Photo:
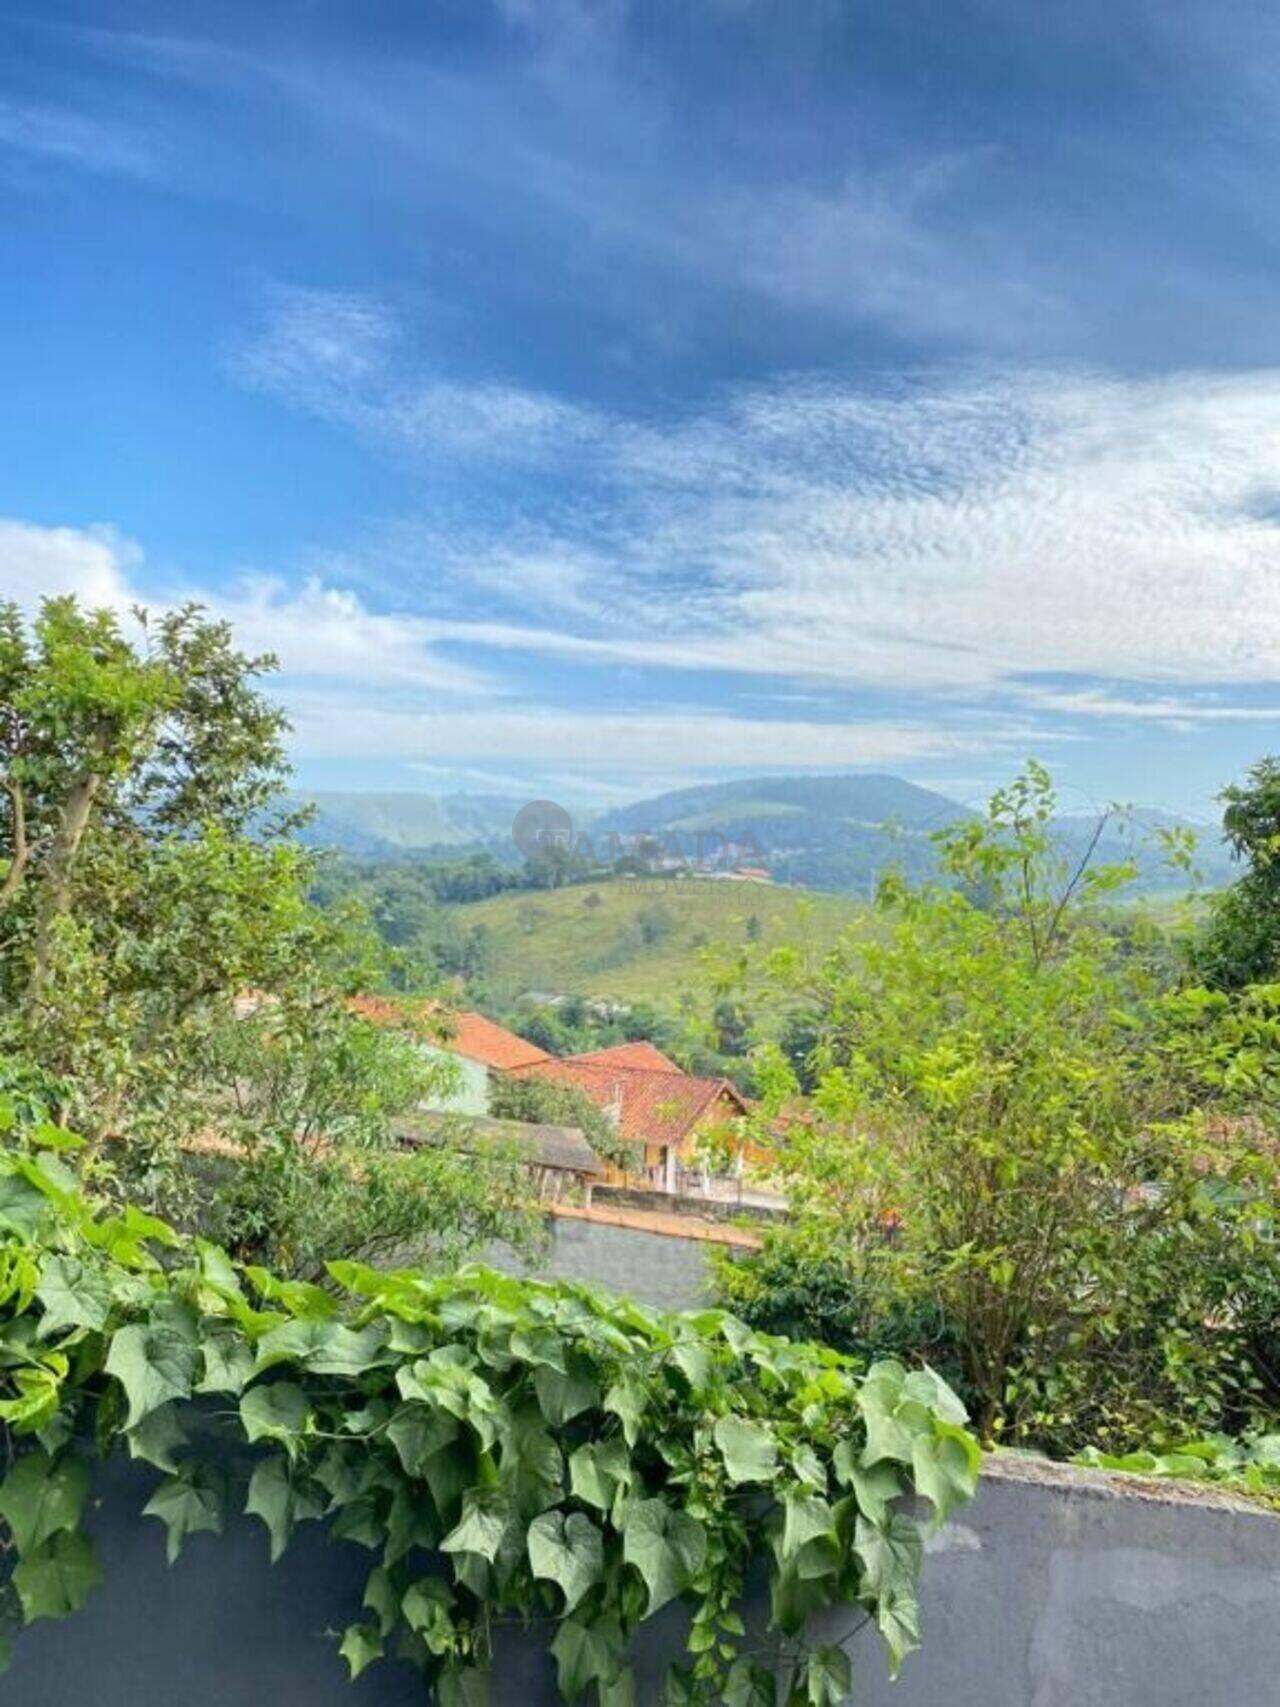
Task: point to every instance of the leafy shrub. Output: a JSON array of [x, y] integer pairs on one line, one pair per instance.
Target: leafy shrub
[[1012, 1130], [506, 1450], [1249, 1467], [812, 1295]]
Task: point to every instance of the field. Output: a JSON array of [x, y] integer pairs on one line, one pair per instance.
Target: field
[[642, 939]]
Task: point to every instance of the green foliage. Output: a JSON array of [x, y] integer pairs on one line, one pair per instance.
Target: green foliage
[[805, 1292], [505, 1450], [162, 959], [1240, 943], [541, 1100], [1015, 1136], [1250, 1467]]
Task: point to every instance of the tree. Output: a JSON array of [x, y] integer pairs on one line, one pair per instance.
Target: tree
[[1240, 943], [148, 882], [114, 754], [300, 1098], [1010, 1128]]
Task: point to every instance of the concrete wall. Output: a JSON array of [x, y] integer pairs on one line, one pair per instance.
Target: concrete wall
[[1055, 1589], [471, 1084], [671, 1273]]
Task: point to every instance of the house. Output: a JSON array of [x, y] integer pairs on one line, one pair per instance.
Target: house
[[654, 1105], [477, 1046], [558, 1157]]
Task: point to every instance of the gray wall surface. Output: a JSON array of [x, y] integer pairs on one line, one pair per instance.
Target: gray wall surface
[[1055, 1589], [673, 1274]]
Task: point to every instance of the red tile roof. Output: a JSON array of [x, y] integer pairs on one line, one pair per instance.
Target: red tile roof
[[642, 1054], [653, 1107], [466, 1033], [479, 1039]]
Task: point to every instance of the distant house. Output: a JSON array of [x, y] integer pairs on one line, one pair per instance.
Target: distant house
[[477, 1047], [649, 1100], [559, 1157]]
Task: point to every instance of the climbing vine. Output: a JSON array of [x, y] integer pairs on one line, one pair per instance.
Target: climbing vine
[[507, 1451]]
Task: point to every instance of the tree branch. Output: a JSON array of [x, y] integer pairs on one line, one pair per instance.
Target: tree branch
[[21, 847]]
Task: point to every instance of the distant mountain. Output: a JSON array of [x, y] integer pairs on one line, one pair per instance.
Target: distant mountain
[[824, 832], [841, 832], [382, 826], [828, 832]]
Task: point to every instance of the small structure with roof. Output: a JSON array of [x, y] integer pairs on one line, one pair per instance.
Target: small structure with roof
[[476, 1046], [559, 1158]]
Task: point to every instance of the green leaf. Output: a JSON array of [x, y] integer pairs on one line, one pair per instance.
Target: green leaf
[[666, 1546], [809, 1542], [890, 1554], [323, 1347], [280, 1500], [875, 1488], [228, 1361], [695, 1363], [463, 1686], [22, 1206], [946, 1465], [898, 1621], [42, 1496], [568, 1551], [361, 1646], [189, 1503], [749, 1450], [587, 1653], [561, 1397], [748, 1685], [157, 1437], [485, 1515], [627, 1399], [278, 1411], [620, 1691], [411, 1522], [928, 1388], [154, 1363], [417, 1432], [828, 1677], [427, 1608], [74, 1295], [57, 1577], [598, 1470]]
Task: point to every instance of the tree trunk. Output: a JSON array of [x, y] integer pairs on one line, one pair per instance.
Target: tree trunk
[[21, 847], [56, 883]]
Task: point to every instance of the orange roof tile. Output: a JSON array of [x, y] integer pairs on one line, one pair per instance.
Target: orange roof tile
[[466, 1033], [652, 1107], [641, 1054], [480, 1039]]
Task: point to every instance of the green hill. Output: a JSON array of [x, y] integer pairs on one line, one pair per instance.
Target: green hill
[[640, 939]]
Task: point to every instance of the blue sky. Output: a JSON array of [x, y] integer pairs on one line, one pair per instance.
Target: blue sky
[[586, 397]]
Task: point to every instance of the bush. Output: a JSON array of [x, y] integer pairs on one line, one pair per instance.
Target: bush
[[504, 1449], [1013, 1131]]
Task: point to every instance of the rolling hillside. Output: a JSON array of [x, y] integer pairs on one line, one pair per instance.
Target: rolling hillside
[[382, 826], [640, 939], [827, 832]]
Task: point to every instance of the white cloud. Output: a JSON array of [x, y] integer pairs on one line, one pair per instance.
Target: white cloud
[[619, 741], [956, 534], [339, 355], [39, 562], [319, 633], [76, 139], [1185, 709]]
